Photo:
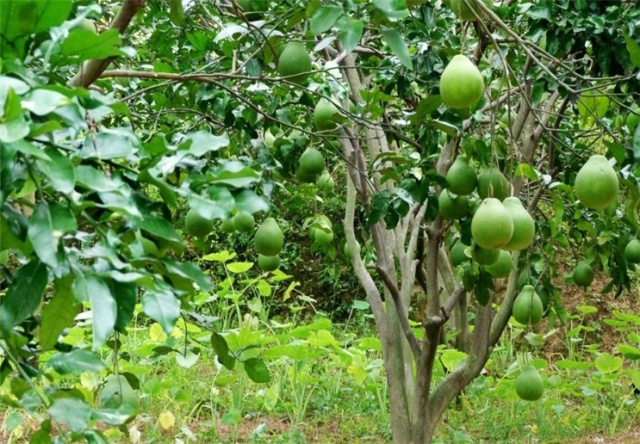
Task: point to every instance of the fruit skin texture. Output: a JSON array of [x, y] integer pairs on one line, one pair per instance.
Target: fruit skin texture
[[295, 62], [452, 207], [457, 253], [583, 274], [492, 183], [326, 182], [632, 251], [269, 238], [268, 263], [491, 226], [322, 237], [597, 183], [196, 225], [484, 256], [462, 177], [243, 222], [502, 267], [324, 115], [528, 308], [311, 163], [465, 13], [461, 84], [529, 384], [228, 226], [524, 227]]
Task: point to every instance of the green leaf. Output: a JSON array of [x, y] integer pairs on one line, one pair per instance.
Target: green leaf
[[235, 174], [59, 170], [43, 101], [85, 45], [605, 363], [212, 209], [222, 256], [221, 349], [257, 370], [162, 307], [23, 17], [62, 218], [203, 142], [103, 306], [93, 179], [58, 313], [629, 352], [239, 267], [190, 271], [324, 18], [636, 143], [399, 47], [392, 9], [14, 130], [351, 33], [159, 227], [42, 237], [249, 202], [76, 361], [126, 296], [108, 144], [634, 50], [115, 417], [29, 149], [71, 412], [24, 295]]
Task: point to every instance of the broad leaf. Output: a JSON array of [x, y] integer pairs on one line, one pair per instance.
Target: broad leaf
[[84, 44], [351, 33], [59, 170], [399, 47], [58, 313], [71, 412], [24, 295], [162, 307], [324, 18], [221, 349], [103, 306], [257, 370], [76, 361]]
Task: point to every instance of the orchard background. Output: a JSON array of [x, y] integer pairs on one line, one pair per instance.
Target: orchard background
[[321, 221]]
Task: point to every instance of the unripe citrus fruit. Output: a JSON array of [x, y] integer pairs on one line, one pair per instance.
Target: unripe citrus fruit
[[633, 119], [324, 115], [268, 263], [452, 207], [461, 177], [529, 384], [269, 238], [583, 274], [528, 308], [311, 162], [117, 392], [484, 256], [294, 62], [632, 251], [243, 222], [502, 267], [491, 226], [326, 182], [322, 237], [461, 84], [196, 225], [458, 255], [464, 12], [228, 226], [597, 183], [87, 24], [524, 228], [347, 251], [492, 183]]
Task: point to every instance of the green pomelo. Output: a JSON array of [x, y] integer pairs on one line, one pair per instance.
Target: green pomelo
[[452, 207], [117, 392], [311, 162], [484, 256], [269, 238], [88, 25], [322, 237], [253, 8], [508, 118], [294, 63], [243, 222], [196, 225], [228, 226], [465, 12], [633, 119], [528, 308], [529, 384], [268, 263], [325, 115], [502, 267], [583, 274], [597, 184], [524, 227], [461, 84], [457, 254], [492, 183], [462, 177], [306, 177], [347, 251], [491, 226], [632, 251], [326, 183]]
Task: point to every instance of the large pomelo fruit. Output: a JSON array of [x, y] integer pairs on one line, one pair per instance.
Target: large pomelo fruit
[[492, 183], [491, 226], [583, 274], [529, 384], [325, 182], [484, 256], [597, 184], [464, 12], [311, 162], [462, 177], [502, 267], [452, 207], [196, 225], [326, 115], [457, 254], [461, 84], [632, 251], [294, 62], [268, 263], [528, 308], [243, 222], [524, 227], [269, 238]]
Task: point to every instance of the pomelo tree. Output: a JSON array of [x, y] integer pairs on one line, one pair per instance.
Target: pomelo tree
[[119, 146]]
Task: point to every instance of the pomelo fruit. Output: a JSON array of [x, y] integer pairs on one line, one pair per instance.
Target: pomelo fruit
[[253, 9], [326, 182], [528, 308], [633, 119], [311, 162], [269, 238], [632, 251], [243, 222], [322, 237], [325, 115], [464, 12], [117, 392], [491, 226], [596, 183], [462, 177], [88, 25], [196, 225], [294, 62], [583, 274], [502, 267], [452, 207], [461, 84], [524, 228], [347, 251], [228, 226], [268, 263], [492, 183], [529, 384], [457, 254], [484, 256]]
